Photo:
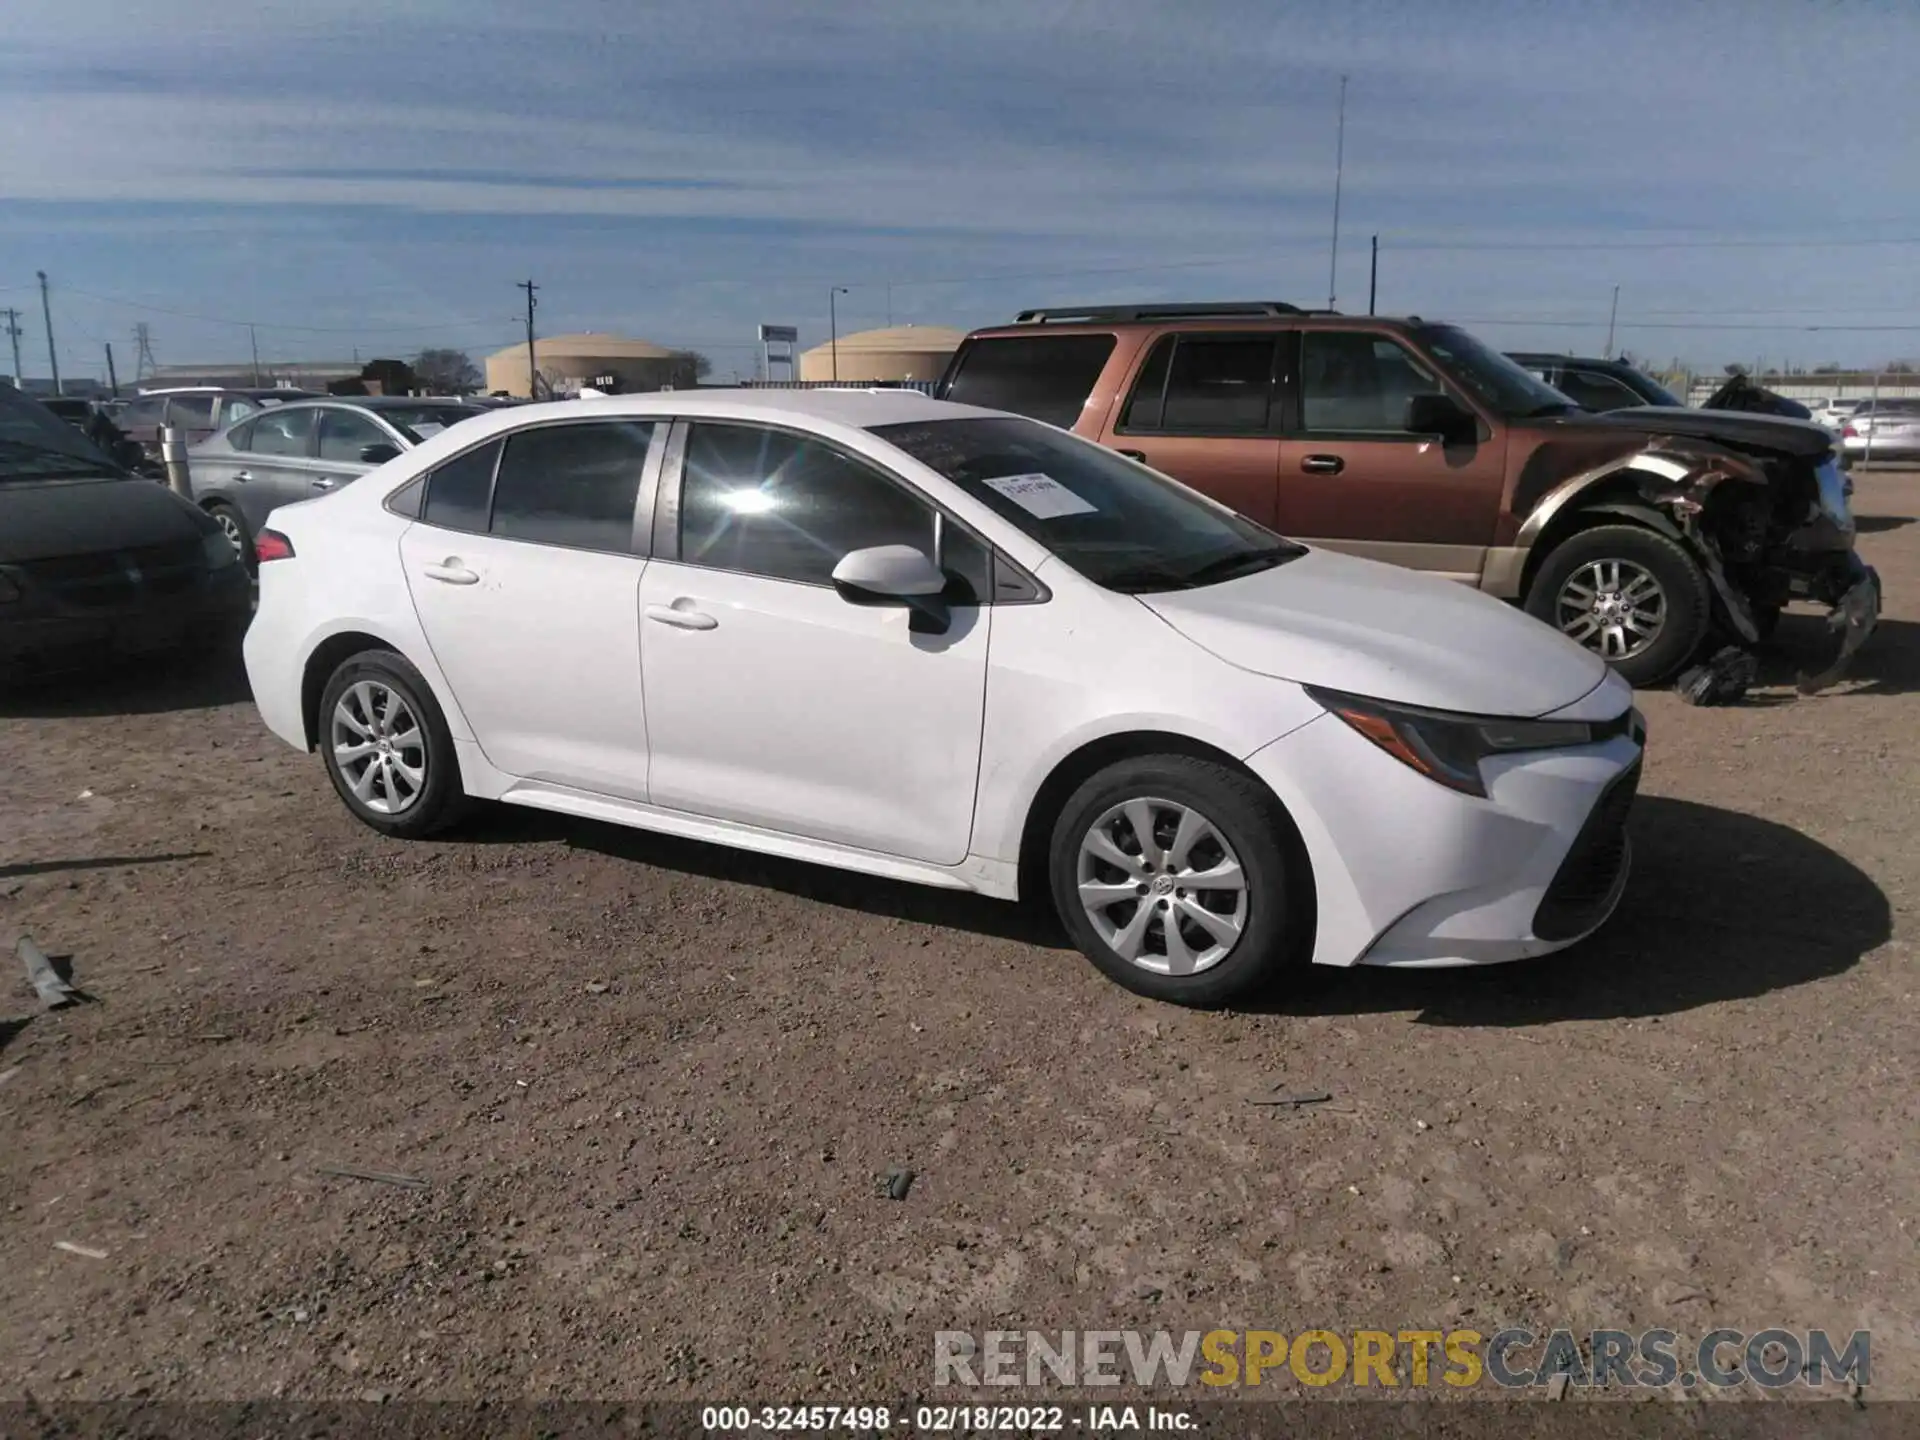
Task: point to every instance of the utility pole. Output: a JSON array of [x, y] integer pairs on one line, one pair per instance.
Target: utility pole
[[833, 327], [889, 304], [13, 334], [113, 378], [1612, 315], [533, 364], [1373, 275], [253, 342], [46, 313], [1339, 168]]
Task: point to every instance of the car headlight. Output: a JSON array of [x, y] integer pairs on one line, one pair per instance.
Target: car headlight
[[219, 550], [1448, 748]]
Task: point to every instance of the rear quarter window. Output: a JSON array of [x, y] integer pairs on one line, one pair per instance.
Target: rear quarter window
[[1044, 377]]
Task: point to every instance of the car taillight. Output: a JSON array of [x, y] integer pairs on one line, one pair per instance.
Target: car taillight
[[1847, 432], [272, 545]]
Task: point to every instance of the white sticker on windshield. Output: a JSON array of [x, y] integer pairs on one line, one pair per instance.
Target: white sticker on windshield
[[426, 428], [1041, 496]]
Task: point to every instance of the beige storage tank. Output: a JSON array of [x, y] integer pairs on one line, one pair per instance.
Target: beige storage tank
[[874, 357], [632, 366]]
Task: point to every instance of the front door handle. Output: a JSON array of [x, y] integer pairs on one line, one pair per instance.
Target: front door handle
[[451, 572], [682, 616], [1323, 464], [243, 474], [1139, 455], [324, 484]]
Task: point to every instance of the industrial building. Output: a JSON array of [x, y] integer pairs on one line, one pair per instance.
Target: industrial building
[[868, 357], [602, 362]]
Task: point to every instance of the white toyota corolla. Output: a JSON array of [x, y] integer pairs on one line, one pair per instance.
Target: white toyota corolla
[[957, 647]]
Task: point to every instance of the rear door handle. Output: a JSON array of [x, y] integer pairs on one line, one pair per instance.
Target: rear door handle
[[682, 616], [243, 474], [323, 483], [1139, 455], [451, 572], [1323, 464]]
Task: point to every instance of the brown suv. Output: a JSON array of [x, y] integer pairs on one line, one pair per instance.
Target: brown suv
[[1637, 533]]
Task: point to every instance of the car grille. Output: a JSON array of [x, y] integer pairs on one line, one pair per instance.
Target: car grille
[[1576, 900], [121, 577]]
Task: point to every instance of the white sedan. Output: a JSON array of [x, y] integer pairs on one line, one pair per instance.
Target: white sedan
[[956, 647]]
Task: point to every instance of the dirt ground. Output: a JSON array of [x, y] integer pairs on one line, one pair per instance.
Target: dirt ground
[[650, 1085]]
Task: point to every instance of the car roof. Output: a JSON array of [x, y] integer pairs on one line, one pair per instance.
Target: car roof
[[857, 407]]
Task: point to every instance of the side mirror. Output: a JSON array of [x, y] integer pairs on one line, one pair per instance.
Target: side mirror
[[885, 574], [378, 453], [1444, 416]]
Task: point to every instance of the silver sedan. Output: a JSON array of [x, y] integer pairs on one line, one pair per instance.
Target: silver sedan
[[295, 452]]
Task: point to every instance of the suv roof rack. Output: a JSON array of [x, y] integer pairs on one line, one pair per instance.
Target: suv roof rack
[[1217, 310]]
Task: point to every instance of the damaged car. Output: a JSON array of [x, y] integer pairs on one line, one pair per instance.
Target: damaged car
[[1650, 535]]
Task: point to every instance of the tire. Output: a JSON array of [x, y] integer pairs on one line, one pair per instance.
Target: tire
[[1632, 555], [231, 521], [392, 803], [1273, 911]]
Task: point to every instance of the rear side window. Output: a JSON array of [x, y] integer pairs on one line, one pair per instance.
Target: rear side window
[[283, 432], [1206, 385], [1044, 377], [460, 492], [1596, 392], [572, 485], [194, 412]]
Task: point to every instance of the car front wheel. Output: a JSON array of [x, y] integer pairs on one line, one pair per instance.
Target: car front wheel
[[387, 748], [1182, 879], [1634, 597]]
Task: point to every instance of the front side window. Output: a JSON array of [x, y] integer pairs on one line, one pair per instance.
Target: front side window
[[1204, 385], [460, 492], [345, 433], [1047, 377], [1359, 383], [572, 485], [1119, 524], [765, 502], [283, 432]]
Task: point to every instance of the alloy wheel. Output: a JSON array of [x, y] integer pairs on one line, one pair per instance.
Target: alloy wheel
[[1162, 886], [229, 525], [1615, 608], [380, 747]]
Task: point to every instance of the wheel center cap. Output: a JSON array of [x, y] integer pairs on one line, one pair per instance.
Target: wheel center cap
[[1163, 884], [386, 747]]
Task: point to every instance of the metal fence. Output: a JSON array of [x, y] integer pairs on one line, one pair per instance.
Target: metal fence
[[924, 387], [1891, 385]]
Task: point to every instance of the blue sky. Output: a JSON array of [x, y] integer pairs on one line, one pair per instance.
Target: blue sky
[[375, 175]]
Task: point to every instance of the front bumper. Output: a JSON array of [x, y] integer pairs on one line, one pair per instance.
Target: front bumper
[[1409, 873], [41, 635]]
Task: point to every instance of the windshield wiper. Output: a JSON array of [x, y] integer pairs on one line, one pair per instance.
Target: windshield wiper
[[1247, 562]]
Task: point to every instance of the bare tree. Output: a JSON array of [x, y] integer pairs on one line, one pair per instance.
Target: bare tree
[[449, 372]]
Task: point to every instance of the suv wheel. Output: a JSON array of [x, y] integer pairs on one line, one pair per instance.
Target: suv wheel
[[387, 748], [1181, 879], [1634, 597]]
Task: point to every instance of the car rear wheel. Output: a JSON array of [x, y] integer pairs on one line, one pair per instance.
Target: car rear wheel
[[1634, 597], [1181, 879], [235, 529], [387, 748]]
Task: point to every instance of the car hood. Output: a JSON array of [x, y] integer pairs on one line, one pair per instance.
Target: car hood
[[48, 519], [1770, 432], [1384, 632]]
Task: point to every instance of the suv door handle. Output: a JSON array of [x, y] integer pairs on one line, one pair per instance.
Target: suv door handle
[[682, 616], [1139, 455], [451, 572], [1323, 464]]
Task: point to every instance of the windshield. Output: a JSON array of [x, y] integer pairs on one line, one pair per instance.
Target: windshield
[[1115, 522], [36, 444], [1492, 378], [417, 422]]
